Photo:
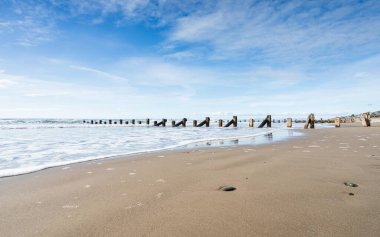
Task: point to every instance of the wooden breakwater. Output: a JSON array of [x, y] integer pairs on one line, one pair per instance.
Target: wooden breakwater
[[309, 122]]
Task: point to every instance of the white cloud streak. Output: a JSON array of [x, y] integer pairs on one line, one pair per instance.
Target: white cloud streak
[[99, 73], [290, 31]]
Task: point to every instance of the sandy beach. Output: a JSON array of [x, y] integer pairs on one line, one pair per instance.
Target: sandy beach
[[291, 188]]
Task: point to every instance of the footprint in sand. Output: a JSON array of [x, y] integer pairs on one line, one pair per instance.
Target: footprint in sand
[[132, 173], [160, 181], [159, 195], [89, 172], [138, 204], [314, 146], [70, 206], [160, 156], [39, 202], [87, 186]]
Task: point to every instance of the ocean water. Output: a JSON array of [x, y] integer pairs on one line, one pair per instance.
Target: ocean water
[[31, 145]]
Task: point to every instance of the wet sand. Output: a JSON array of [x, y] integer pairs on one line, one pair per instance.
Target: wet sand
[[292, 188]]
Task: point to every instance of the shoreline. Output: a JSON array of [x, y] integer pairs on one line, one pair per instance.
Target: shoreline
[[290, 188], [200, 143]]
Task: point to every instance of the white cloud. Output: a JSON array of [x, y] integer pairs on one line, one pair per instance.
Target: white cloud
[[99, 73], [31, 25], [287, 32], [180, 55], [7, 81]]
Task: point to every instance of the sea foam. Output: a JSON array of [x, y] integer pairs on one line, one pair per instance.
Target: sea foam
[[31, 145]]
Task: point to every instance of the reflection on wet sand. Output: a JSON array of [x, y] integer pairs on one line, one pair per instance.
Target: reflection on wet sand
[[269, 136]]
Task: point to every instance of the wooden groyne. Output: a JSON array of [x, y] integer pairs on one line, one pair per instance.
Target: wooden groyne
[[162, 123], [310, 121], [181, 123], [233, 121], [364, 119], [204, 122], [267, 121]]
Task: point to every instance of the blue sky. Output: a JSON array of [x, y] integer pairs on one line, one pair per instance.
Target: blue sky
[[166, 58]]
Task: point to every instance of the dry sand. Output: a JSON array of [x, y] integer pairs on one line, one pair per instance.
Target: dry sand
[[293, 188]]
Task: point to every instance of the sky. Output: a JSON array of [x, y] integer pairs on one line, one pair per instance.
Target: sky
[[194, 58]]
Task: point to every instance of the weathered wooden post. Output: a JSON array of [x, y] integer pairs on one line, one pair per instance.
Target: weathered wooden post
[[100, 121], [147, 121], [96, 122], [207, 121], [155, 123], [84, 121], [337, 122], [366, 119], [126, 122], [183, 123], [133, 121], [233, 121], [289, 122], [92, 121], [109, 121], [163, 123], [251, 122], [269, 118], [267, 121], [115, 122], [139, 122], [220, 123], [194, 123], [310, 121]]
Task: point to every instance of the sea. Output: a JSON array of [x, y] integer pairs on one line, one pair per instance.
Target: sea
[[29, 145]]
